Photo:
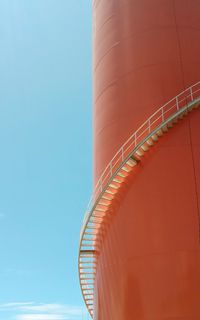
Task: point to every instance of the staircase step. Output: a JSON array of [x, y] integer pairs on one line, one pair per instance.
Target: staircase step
[[111, 191], [92, 227], [91, 309], [107, 196], [91, 233], [87, 286], [165, 128], [96, 220], [104, 202], [88, 239], [89, 297], [100, 207], [159, 132], [150, 142], [99, 213], [170, 124], [93, 244], [89, 301], [126, 168], [118, 179], [132, 162], [140, 152], [85, 291], [145, 147], [122, 174], [114, 185], [86, 276], [154, 137], [86, 268]]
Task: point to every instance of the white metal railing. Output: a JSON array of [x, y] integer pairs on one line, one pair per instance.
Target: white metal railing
[[162, 117], [168, 109]]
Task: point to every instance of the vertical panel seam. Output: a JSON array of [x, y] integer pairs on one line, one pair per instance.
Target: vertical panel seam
[[189, 120]]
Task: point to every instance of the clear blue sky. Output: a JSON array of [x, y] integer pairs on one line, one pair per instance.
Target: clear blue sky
[[45, 155]]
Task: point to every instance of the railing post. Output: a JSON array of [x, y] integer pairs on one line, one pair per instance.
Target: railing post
[[177, 103], [122, 153], [100, 182], [135, 138], [149, 125], [111, 168], [162, 114], [191, 94]]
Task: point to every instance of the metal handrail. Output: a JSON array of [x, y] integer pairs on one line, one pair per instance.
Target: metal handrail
[[161, 115], [170, 111]]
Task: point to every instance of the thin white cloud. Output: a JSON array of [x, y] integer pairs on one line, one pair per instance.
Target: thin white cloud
[[40, 317], [52, 308], [43, 311], [14, 305]]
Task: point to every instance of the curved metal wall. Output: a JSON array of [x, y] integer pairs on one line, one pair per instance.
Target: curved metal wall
[[146, 52]]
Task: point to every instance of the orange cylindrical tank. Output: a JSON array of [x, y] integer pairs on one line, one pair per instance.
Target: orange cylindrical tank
[[145, 53]]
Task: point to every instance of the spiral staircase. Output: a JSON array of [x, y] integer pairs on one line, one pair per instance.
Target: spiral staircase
[[116, 173]]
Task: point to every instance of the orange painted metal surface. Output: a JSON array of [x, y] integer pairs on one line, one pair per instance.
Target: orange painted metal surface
[[145, 53]]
